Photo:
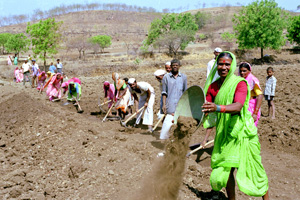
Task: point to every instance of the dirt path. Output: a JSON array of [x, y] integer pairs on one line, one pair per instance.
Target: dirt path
[[49, 151]]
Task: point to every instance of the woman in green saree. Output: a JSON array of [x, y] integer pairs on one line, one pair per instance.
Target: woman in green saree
[[236, 141]]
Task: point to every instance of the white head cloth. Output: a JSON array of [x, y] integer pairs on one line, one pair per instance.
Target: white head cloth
[[168, 63], [159, 72], [219, 50], [131, 80]]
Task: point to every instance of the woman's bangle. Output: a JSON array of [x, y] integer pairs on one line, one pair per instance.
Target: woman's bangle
[[218, 108], [223, 108], [256, 111]]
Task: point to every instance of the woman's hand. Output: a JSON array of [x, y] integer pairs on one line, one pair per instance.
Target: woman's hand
[[209, 107], [146, 104], [254, 116]]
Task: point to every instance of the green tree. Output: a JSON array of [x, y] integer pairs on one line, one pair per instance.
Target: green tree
[[17, 43], [294, 30], [3, 39], [260, 25], [171, 24], [103, 41], [201, 19], [228, 37], [45, 37]]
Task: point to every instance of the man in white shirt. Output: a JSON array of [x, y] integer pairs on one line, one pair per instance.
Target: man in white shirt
[[26, 72], [35, 72], [146, 99], [211, 63], [59, 66]]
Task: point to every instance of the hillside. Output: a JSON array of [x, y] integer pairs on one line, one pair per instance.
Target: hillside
[[118, 24]]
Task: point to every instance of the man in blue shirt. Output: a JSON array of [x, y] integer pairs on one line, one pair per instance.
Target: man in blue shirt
[[52, 68], [173, 86]]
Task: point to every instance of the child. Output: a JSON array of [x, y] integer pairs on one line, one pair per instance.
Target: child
[[270, 91]]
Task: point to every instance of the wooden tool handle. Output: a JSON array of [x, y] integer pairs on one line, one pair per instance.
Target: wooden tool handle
[[78, 104], [197, 149], [132, 116], [162, 117], [105, 103], [108, 112]]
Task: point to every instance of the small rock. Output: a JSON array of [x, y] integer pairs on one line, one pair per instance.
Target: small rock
[[111, 172]]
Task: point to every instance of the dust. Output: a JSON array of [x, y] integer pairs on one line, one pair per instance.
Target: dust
[[166, 178]]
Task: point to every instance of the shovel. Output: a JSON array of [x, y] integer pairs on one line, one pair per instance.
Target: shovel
[[197, 149], [104, 103], [160, 120], [80, 110], [100, 106], [108, 112], [132, 116]]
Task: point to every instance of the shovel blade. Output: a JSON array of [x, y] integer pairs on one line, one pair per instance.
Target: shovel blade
[[123, 123]]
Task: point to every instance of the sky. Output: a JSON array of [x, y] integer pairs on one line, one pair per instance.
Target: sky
[[17, 7]]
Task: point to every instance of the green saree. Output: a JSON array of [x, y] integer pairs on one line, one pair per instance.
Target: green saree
[[236, 142]]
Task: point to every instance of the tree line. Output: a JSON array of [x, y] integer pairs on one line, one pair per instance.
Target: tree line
[[39, 14], [45, 38]]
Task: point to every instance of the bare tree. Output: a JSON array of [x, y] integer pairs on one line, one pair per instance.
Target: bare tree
[[174, 40], [80, 44]]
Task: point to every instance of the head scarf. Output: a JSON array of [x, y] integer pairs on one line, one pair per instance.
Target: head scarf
[[168, 63], [214, 70], [49, 74], [110, 92], [55, 78], [159, 72], [120, 83], [251, 79], [131, 80], [106, 83], [115, 76], [64, 85], [218, 49], [42, 76]]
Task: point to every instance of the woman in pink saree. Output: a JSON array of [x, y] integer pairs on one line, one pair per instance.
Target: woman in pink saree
[[41, 80], [18, 75], [109, 92], [256, 92], [53, 90]]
